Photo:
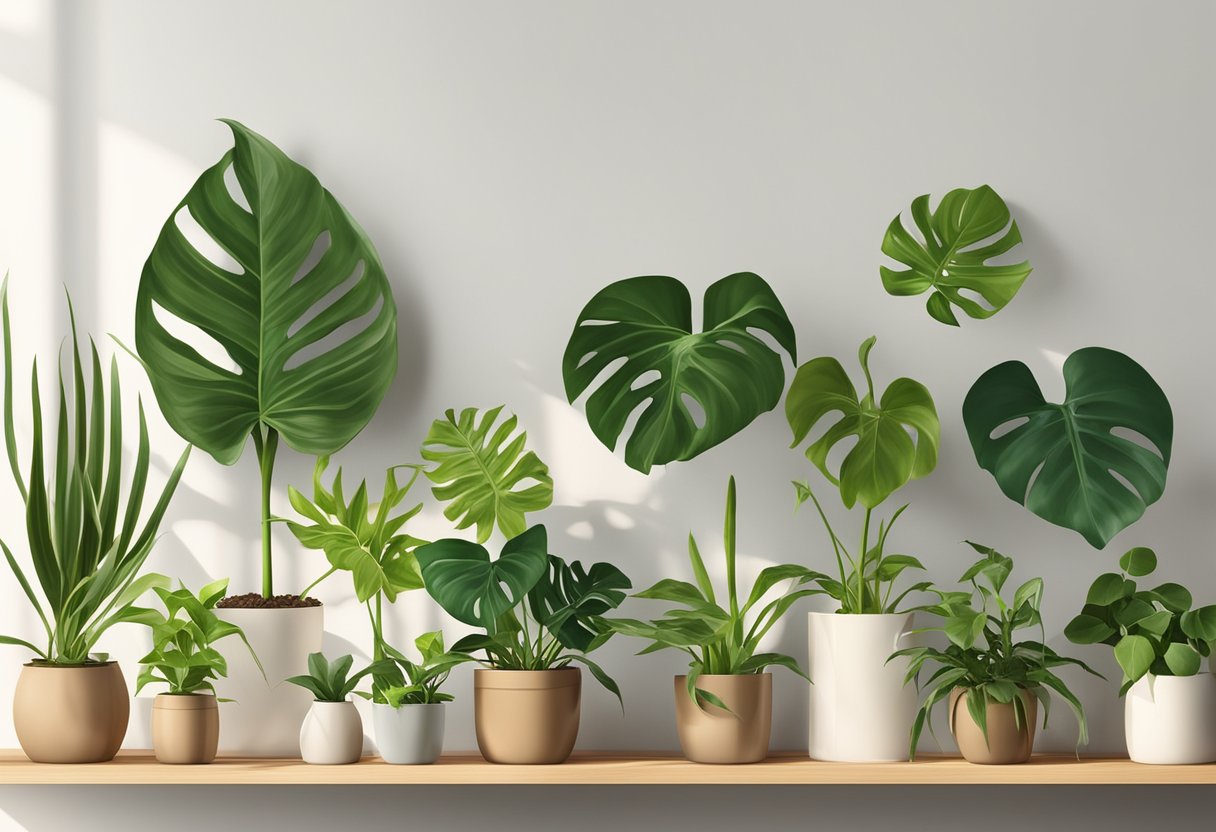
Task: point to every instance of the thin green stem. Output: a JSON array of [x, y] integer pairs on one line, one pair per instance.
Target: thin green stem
[[861, 561], [266, 449]]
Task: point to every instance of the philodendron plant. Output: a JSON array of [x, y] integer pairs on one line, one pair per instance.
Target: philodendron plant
[[1074, 463], [984, 655], [722, 638], [896, 436], [1153, 631], [87, 547], [267, 367]]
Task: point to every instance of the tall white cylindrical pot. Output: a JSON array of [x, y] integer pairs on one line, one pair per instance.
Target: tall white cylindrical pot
[[331, 734], [263, 720], [861, 711], [1171, 720], [410, 735]]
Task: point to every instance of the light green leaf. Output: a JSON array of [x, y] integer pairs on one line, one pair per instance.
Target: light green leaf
[[1181, 659], [1086, 629], [1135, 655], [1107, 589], [1200, 623], [1138, 562]]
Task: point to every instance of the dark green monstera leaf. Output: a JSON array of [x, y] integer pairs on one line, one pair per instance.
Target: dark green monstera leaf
[[950, 257], [1073, 463], [568, 598], [732, 375]]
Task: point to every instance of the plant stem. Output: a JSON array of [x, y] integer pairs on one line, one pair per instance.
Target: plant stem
[[729, 537], [266, 449], [861, 561]]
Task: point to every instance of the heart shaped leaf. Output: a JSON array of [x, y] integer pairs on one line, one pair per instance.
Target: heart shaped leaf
[[732, 375], [950, 257], [1065, 462]]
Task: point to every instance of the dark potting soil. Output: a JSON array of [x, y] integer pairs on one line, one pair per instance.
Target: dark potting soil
[[254, 601]]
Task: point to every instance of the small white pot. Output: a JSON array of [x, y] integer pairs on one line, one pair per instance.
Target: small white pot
[[861, 711], [1171, 720], [263, 720], [332, 734], [410, 735]]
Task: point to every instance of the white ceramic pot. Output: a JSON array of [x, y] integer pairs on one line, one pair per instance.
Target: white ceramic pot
[[860, 709], [263, 720], [331, 734], [1171, 720], [410, 735]]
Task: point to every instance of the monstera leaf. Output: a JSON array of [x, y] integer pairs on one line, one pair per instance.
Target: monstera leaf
[[949, 259], [1089, 479], [460, 576], [732, 375], [483, 477], [568, 598], [885, 456]]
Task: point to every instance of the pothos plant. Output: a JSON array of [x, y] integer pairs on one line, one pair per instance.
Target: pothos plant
[[722, 637], [896, 436], [984, 656], [1154, 631]]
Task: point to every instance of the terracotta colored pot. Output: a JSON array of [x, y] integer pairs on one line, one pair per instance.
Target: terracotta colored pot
[[71, 713], [709, 734], [1007, 741], [527, 717], [185, 728]]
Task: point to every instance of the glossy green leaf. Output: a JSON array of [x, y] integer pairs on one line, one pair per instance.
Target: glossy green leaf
[[1108, 588], [1173, 597], [1138, 561], [1087, 629], [568, 598], [1135, 655], [1182, 660], [1200, 623]]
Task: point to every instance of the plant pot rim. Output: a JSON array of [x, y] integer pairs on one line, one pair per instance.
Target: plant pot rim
[[870, 615], [385, 705], [327, 702], [728, 675], [64, 666], [557, 677], [184, 701], [270, 609]]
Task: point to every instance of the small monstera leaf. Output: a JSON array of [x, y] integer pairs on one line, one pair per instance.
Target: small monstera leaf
[[568, 598], [732, 375], [886, 456], [1089, 479], [949, 259], [306, 270], [483, 477]]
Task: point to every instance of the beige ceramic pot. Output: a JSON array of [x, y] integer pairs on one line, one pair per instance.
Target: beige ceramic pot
[[185, 728], [527, 717], [71, 713], [1008, 741], [709, 734]]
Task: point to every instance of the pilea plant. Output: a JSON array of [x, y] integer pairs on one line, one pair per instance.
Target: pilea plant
[[421, 681], [1153, 631], [331, 681], [884, 458]]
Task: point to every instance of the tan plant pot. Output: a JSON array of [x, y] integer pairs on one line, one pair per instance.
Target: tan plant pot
[[185, 728], [1007, 741], [527, 717], [71, 713], [711, 735]]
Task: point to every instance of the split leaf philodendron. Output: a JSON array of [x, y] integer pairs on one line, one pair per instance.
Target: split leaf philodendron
[[725, 372], [1072, 463], [951, 258], [259, 359]]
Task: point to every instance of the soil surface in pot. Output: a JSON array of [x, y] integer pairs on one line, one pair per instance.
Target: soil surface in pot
[[255, 601]]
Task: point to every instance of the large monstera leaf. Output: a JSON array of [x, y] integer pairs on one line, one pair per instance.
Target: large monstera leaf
[[885, 455], [1089, 479], [731, 374], [273, 317], [949, 258], [568, 598], [483, 473]]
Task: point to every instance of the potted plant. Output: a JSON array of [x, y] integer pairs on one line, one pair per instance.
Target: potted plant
[[860, 709], [185, 719], [1160, 641], [87, 547], [298, 269], [332, 731], [724, 704], [408, 715], [539, 616], [992, 682]]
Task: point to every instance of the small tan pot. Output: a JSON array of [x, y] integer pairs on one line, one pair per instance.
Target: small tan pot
[[185, 728], [1007, 741], [711, 735], [71, 713], [527, 717]]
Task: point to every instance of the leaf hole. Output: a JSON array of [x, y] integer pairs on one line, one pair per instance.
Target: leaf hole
[[1123, 481], [726, 342], [694, 408], [319, 247], [1034, 476], [339, 336], [647, 377], [1136, 438], [203, 243], [975, 297], [193, 336], [235, 191], [329, 299], [766, 338], [1008, 427], [840, 451]]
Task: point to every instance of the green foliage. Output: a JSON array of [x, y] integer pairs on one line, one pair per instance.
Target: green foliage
[[479, 474], [730, 373], [884, 459], [269, 319], [718, 640], [417, 683], [1088, 478], [183, 654], [537, 612], [86, 547], [331, 681], [1151, 630], [950, 258], [984, 656]]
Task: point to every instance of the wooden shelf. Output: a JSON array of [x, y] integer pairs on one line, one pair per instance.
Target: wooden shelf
[[140, 768]]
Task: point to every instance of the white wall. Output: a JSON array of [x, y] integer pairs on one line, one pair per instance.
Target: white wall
[[509, 159]]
